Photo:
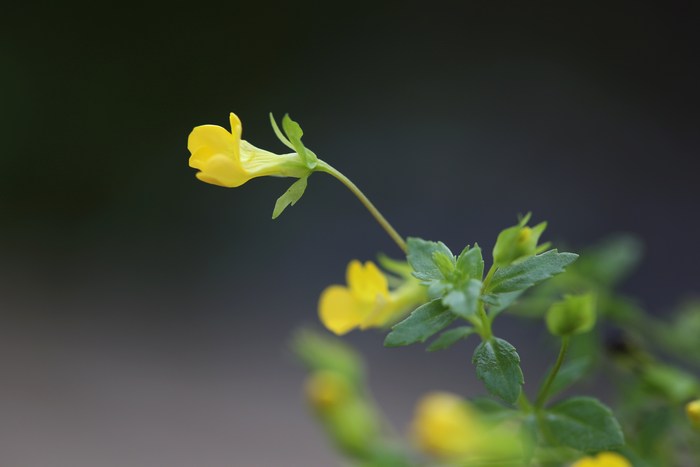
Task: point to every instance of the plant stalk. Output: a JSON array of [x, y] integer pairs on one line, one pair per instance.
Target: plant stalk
[[544, 392], [398, 239]]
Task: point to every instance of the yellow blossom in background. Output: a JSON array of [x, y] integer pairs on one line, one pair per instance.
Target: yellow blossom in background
[[603, 459], [692, 409], [224, 159], [445, 426], [448, 427], [327, 389], [366, 300]]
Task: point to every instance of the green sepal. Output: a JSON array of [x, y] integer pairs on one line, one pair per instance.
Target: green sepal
[[400, 268], [421, 258], [279, 133], [294, 134], [529, 272], [464, 301], [575, 314], [517, 242], [582, 423], [449, 338], [290, 197], [470, 263], [353, 426], [422, 323], [445, 263], [498, 366]]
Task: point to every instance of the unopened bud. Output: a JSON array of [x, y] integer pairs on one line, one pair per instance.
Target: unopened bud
[[574, 315], [326, 390], [692, 409]]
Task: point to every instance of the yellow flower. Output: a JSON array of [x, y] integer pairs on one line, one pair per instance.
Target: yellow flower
[[448, 427], [692, 409], [366, 301], [327, 389], [603, 459], [445, 426], [224, 159]]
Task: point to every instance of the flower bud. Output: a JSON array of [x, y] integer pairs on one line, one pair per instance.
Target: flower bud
[[692, 410], [327, 389], [603, 459], [517, 242], [574, 315], [444, 425], [448, 427]]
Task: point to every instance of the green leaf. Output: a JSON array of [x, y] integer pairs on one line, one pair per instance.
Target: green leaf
[[421, 258], [291, 196], [471, 263], [279, 133], [400, 268], [583, 423], [294, 133], [450, 338], [531, 271], [464, 301], [498, 366], [569, 373], [425, 321]]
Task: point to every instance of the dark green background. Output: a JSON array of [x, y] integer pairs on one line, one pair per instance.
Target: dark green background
[[144, 314]]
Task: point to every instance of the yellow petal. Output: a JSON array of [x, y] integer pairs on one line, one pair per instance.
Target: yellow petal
[[612, 459], [382, 314], [200, 158], [366, 282], [236, 127], [444, 426], [218, 169], [339, 311], [692, 410], [215, 138], [603, 459], [586, 462]]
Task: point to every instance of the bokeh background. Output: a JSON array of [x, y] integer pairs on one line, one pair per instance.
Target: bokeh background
[[145, 316]]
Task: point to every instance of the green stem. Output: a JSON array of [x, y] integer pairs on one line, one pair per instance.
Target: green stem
[[489, 276], [325, 167], [524, 403], [544, 392], [486, 332]]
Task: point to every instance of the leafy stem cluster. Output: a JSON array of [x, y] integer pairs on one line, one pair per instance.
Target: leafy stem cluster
[[459, 291], [464, 299]]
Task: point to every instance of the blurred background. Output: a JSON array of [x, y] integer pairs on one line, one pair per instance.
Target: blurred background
[[145, 316]]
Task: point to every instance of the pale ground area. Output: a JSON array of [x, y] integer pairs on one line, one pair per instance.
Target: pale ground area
[[166, 384], [67, 407]]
